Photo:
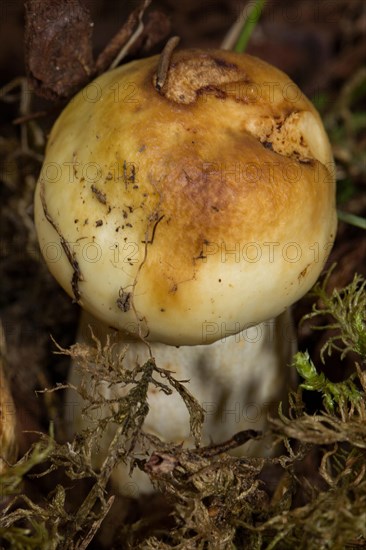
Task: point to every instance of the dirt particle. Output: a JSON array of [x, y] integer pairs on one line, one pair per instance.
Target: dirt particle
[[124, 300], [101, 197], [303, 273], [129, 173], [201, 256]]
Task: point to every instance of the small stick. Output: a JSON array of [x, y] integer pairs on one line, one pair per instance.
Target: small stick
[[164, 61], [30, 116], [236, 441], [136, 14]]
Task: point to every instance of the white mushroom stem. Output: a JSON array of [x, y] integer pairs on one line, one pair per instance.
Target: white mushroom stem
[[238, 380]]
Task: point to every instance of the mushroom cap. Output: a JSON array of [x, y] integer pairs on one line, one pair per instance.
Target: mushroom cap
[[191, 212]]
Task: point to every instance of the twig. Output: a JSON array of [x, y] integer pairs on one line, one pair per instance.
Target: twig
[[134, 36], [164, 61]]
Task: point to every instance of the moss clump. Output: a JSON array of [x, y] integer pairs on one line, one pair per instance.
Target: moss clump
[[216, 500]]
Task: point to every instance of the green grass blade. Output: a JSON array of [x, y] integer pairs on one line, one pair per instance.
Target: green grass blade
[[352, 219], [249, 26]]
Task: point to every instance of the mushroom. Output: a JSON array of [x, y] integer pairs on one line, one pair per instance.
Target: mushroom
[[186, 202]]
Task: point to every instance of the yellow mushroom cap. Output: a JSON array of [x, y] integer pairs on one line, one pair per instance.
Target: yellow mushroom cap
[[184, 212]]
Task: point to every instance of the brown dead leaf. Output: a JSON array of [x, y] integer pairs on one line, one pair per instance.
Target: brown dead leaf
[[58, 46]]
